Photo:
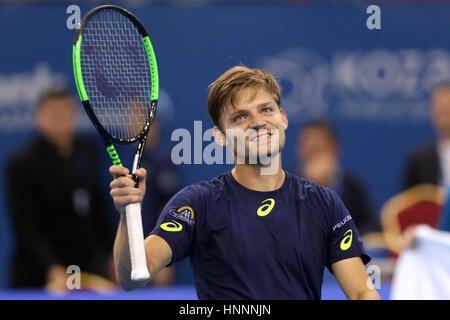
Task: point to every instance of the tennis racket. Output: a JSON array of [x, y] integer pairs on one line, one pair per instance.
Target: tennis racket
[[117, 80]]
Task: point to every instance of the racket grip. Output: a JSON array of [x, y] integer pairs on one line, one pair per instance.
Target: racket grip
[[139, 270]]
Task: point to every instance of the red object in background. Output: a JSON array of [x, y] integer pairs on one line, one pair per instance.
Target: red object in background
[[425, 212]]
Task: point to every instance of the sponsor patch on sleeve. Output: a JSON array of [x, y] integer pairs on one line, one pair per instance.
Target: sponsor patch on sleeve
[[346, 242], [342, 222], [185, 214]]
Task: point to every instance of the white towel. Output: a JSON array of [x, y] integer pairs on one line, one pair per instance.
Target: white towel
[[423, 272]]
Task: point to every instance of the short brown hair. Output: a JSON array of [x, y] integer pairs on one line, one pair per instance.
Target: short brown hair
[[58, 93], [227, 88], [324, 125]]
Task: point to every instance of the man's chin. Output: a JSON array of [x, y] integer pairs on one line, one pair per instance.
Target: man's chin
[[260, 159]]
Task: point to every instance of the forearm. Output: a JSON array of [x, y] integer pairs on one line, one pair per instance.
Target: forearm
[[122, 261], [369, 294], [354, 280]]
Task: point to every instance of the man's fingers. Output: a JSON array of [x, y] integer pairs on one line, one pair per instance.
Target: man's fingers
[[141, 173], [117, 171], [123, 181], [118, 192], [123, 190]]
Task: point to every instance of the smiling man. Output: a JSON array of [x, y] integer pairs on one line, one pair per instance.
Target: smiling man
[[257, 231]]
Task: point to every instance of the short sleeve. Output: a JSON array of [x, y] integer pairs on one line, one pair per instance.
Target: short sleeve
[[344, 241], [178, 222]]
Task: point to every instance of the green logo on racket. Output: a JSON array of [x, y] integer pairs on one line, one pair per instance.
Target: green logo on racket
[[113, 155]]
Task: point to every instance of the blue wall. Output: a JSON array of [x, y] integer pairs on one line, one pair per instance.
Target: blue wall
[[374, 84]]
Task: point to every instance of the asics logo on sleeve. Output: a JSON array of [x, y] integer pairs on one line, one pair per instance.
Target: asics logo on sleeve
[[346, 242], [172, 226], [265, 209]]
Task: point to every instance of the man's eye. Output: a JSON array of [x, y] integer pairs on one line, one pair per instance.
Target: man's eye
[[268, 109], [238, 118]]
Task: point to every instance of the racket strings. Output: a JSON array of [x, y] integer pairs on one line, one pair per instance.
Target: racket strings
[[116, 73]]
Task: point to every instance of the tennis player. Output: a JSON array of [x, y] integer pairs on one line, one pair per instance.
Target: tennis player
[[257, 231]]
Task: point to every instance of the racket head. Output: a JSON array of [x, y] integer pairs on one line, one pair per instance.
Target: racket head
[[116, 73]]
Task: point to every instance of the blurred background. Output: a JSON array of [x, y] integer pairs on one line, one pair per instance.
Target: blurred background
[[373, 85]]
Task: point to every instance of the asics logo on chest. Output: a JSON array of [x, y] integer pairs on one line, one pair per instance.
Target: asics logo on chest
[[266, 208]]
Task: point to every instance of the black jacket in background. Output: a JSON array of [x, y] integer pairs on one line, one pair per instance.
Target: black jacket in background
[[356, 198], [57, 212], [422, 166]]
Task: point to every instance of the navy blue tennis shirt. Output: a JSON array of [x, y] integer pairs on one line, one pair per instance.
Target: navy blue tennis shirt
[[246, 244]]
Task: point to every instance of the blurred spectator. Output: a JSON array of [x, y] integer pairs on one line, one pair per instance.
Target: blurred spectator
[[425, 249], [318, 150], [163, 181], [56, 210], [431, 163]]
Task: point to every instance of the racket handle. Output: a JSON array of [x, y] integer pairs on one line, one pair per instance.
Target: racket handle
[[139, 269]]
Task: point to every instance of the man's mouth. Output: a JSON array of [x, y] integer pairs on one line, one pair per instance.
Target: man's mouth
[[261, 137]]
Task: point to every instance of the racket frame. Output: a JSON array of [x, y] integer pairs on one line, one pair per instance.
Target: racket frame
[[139, 271]]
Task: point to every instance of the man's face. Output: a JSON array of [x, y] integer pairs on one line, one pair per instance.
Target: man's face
[[254, 127], [441, 112], [314, 141], [56, 120]]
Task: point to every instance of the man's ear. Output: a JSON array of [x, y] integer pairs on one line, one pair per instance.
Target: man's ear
[[219, 136], [284, 118]]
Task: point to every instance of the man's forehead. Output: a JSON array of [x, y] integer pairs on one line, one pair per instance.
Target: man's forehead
[[59, 101], [248, 98]]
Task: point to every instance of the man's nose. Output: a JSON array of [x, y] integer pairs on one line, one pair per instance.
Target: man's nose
[[258, 122]]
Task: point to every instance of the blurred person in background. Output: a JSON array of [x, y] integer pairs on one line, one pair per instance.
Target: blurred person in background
[[425, 250], [431, 163], [164, 182], [57, 213], [318, 151]]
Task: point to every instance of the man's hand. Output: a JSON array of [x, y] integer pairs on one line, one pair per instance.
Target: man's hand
[[409, 237], [123, 189], [56, 278]]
